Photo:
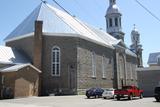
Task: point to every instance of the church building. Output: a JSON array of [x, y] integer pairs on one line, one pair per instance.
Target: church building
[[72, 55]]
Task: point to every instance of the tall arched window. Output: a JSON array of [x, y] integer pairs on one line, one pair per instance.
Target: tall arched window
[[93, 56], [55, 70]]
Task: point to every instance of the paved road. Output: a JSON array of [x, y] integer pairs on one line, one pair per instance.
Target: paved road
[[76, 101]]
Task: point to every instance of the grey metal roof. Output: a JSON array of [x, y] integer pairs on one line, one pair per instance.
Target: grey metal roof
[[58, 21], [51, 23], [129, 52], [10, 55], [16, 67], [151, 68], [153, 58], [113, 9]]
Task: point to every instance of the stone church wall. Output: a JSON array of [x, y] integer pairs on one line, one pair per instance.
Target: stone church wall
[[85, 79], [25, 45], [131, 70], [68, 51]]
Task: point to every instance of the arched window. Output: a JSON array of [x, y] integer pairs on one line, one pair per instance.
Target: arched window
[[55, 70], [103, 67], [110, 22], [93, 55], [116, 22]]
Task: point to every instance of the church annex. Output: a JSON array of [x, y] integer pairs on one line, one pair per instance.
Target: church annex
[[72, 55]]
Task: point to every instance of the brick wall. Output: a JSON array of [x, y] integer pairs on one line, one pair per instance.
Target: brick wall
[[23, 82]]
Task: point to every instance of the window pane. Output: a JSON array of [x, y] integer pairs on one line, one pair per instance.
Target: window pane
[[53, 69], [57, 70], [53, 56], [57, 54]]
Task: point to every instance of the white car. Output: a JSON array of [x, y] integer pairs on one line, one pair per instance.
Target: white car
[[108, 93]]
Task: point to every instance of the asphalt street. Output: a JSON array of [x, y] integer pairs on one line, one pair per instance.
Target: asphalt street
[[76, 101]]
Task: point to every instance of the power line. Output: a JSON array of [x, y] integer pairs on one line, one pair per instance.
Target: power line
[[82, 24], [83, 9], [61, 6], [152, 14]]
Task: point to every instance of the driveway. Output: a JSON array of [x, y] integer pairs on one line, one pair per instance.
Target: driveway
[[76, 101]]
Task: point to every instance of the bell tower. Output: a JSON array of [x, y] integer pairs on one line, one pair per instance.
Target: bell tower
[[113, 20], [136, 47]]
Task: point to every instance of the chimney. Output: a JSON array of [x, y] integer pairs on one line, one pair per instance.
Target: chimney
[[38, 39]]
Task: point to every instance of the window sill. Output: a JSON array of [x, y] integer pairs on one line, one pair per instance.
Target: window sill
[[56, 76], [104, 78], [93, 77]]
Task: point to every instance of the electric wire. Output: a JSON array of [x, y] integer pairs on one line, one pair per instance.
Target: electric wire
[[152, 14], [82, 24]]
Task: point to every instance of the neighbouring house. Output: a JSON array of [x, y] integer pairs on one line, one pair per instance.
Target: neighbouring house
[[149, 77], [17, 77], [72, 55]]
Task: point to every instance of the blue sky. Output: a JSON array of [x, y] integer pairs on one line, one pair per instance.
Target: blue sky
[[93, 12]]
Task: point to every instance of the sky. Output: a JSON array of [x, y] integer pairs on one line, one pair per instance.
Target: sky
[[13, 12]]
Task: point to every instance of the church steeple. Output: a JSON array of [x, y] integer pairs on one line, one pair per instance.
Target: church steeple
[[113, 20], [136, 47]]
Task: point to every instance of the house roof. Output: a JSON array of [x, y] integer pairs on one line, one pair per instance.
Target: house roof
[[151, 68], [153, 58], [58, 21], [17, 67], [10, 55]]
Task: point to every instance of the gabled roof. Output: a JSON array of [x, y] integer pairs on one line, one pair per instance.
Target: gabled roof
[[10, 55], [58, 21], [17, 67], [153, 58]]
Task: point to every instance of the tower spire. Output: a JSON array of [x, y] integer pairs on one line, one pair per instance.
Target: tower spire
[[113, 21], [112, 2], [136, 47]]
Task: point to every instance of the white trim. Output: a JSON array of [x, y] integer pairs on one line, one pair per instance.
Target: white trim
[[131, 70], [20, 37], [103, 67], [55, 62], [19, 66], [79, 36], [62, 34], [3, 78], [93, 56]]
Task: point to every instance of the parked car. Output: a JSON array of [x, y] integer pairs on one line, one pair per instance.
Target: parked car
[[108, 93], [128, 92], [157, 93], [94, 92]]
